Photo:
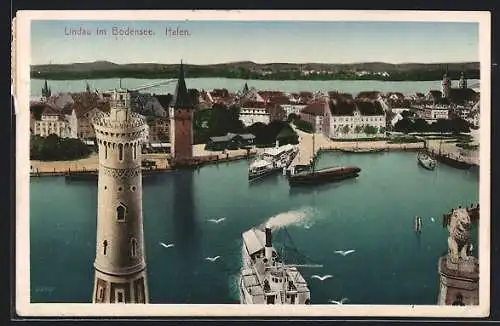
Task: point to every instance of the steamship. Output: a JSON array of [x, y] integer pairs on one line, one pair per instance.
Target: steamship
[[272, 160], [265, 278]]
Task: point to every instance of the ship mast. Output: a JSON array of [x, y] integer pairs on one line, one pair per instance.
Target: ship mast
[[312, 158]]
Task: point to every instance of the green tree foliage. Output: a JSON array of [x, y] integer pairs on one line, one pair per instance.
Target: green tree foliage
[[53, 148], [441, 125], [304, 126], [370, 130], [292, 117]]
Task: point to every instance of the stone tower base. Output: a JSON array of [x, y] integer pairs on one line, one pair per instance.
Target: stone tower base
[[459, 282]]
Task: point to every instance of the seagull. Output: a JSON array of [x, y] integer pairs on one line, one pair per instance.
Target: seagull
[[307, 227], [432, 219], [170, 245], [322, 278], [344, 252], [342, 301], [212, 259], [217, 221]]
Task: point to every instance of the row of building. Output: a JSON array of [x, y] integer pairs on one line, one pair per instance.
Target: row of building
[[337, 115]]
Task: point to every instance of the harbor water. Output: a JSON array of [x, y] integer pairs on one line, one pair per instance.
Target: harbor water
[[372, 215]]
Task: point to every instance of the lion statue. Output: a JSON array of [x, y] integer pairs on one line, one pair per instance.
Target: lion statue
[[459, 240]]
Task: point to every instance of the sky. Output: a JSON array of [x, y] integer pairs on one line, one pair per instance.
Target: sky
[[211, 42]]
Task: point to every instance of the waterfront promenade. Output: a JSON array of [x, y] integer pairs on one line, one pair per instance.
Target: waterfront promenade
[[91, 163]]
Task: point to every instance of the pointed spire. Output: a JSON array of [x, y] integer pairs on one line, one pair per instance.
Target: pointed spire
[[46, 92], [182, 99], [245, 88]]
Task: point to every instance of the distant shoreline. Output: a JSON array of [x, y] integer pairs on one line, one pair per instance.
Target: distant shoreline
[[379, 71]]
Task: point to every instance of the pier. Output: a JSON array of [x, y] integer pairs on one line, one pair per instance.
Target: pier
[[310, 146]]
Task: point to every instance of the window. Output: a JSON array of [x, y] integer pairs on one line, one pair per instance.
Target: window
[[120, 152], [133, 247], [120, 296], [270, 299], [100, 294], [135, 151], [105, 150], [121, 211], [105, 246]]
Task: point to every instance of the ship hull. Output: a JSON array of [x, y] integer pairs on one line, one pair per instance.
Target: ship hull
[[362, 150], [262, 174], [324, 176]]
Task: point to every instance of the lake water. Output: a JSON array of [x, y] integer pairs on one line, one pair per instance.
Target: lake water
[[233, 85], [372, 214]]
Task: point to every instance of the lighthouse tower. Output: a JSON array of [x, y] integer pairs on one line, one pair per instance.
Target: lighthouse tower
[[181, 122], [120, 266]]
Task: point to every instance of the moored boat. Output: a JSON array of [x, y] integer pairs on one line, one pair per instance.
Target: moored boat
[[426, 161], [271, 161], [323, 175], [417, 223], [362, 150]]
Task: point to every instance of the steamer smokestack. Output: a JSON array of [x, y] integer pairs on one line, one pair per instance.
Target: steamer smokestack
[[268, 237], [269, 245]]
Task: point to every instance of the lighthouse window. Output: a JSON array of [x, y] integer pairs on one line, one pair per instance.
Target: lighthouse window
[[105, 246], [133, 247], [101, 294], [120, 213], [120, 296], [120, 152], [105, 151]]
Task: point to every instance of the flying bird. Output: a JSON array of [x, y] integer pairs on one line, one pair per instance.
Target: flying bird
[[170, 245], [217, 221], [344, 252], [307, 227], [212, 259], [432, 219], [322, 278], [342, 301]]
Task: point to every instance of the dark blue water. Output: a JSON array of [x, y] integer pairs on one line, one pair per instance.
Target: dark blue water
[[372, 214]]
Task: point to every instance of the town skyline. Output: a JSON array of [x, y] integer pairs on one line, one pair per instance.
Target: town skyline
[[216, 42]]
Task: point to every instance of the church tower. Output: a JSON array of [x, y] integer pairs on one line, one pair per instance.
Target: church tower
[[46, 92], [120, 266], [181, 122], [462, 83], [445, 86]]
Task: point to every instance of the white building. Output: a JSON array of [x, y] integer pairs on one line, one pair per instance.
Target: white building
[[349, 119], [433, 112], [52, 122], [253, 108], [254, 112], [293, 108]]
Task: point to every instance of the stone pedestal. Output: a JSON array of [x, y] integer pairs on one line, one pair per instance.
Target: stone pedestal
[[459, 281]]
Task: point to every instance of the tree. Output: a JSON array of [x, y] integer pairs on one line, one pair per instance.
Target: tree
[[370, 130], [404, 125], [53, 148], [358, 129], [420, 125], [292, 117], [304, 126]]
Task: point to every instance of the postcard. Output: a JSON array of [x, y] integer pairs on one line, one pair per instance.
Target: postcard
[[252, 164]]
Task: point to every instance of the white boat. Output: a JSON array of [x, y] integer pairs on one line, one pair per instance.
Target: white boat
[[272, 160], [264, 278], [426, 161]]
